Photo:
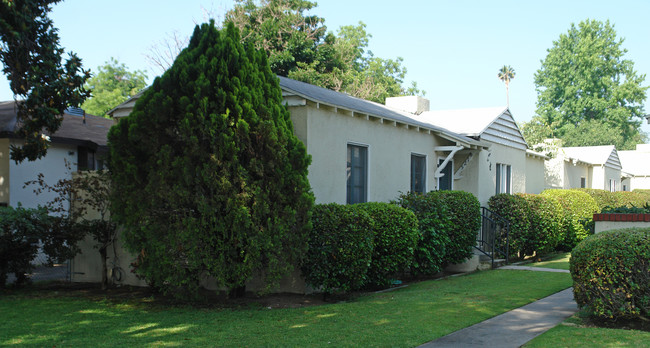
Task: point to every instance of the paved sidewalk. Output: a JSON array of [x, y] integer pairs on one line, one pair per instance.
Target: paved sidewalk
[[514, 328]]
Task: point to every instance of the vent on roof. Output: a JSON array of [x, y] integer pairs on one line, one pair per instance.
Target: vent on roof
[[75, 111], [412, 104]]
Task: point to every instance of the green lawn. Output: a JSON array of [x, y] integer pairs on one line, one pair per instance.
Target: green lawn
[[572, 334], [559, 261], [407, 317]]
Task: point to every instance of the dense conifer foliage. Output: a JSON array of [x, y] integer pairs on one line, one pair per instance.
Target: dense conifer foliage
[[209, 180]]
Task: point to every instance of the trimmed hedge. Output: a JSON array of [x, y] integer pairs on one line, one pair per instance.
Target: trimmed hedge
[[644, 193], [340, 248], [464, 212], [577, 219], [611, 274], [395, 238], [612, 200], [545, 223], [434, 222], [514, 208]]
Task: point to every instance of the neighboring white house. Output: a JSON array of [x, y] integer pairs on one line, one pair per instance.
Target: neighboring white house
[[80, 141], [596, 167], [636, 168]]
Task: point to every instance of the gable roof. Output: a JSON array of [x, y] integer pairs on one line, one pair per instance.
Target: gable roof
[[91, 133], [594, 155], [335, 99], [494, 124]]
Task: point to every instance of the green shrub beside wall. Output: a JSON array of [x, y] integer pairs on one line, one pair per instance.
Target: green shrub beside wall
[[395, 238], [611, 274], [434, 223], [577, 221], [545, 224], [514, 208], [340, 248], [464, 212]]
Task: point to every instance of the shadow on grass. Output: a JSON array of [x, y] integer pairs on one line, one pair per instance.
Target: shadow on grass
[[406, 317]]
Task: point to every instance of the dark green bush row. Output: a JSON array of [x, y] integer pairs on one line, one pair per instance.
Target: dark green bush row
[[612, 200], [23, 230], [448, 223], [611, 274], [395, 237], [535, 224], [352, 246]]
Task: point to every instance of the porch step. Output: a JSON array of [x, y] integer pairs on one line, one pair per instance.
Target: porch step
[[485, 264]]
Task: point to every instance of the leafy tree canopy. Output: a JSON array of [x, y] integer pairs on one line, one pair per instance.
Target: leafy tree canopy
[[585, 85], [299, 46], [209, 179], [112, 85], [32, 59]]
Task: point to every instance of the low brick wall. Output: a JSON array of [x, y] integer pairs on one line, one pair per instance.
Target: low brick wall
[[606, 222]]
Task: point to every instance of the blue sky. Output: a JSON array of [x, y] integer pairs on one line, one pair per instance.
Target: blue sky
[[452, 49]]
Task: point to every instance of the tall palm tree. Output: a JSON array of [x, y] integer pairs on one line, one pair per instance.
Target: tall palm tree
[[506, 74]]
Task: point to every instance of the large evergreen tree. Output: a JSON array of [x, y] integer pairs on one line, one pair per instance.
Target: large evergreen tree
[[209, 178], [585, 85]]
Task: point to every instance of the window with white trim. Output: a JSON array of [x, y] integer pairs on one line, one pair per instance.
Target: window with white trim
[[583, 182], [418, 173], [504, 178], [612, 185], [357, 172], [446, 181]]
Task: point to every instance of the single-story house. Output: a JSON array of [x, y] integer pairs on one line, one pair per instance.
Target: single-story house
[[636, 168], [596, 167], [80, 141], [365, 151]]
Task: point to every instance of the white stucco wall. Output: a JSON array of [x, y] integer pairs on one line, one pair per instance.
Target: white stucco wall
[[639, 182], [327, 134], [4, 170], [52, 166], [598, 178], [535, 175], [573, 174], [488, 160], [601, 226], [612, 173]]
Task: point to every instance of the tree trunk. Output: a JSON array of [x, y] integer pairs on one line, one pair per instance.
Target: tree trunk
[[102, 253]]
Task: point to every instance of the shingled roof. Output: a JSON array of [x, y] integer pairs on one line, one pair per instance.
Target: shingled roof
[[90, 131], [342, 100]]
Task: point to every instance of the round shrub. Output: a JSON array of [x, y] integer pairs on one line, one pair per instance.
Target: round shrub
[[513, 208], [433, 224], [577, 221], [464, 211], [395, 238], [611, 274], [603, 198], [340, 248]]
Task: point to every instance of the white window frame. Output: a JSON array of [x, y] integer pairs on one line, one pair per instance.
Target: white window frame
[[501, 180]]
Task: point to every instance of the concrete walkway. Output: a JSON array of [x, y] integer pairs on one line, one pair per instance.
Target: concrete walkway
[[514, 328]]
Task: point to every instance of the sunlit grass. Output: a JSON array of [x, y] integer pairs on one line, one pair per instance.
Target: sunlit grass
[[407, 317], [559, 261], [572, 333]]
